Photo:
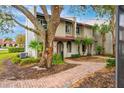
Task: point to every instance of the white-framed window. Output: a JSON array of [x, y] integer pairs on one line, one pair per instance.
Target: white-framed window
[[78, 30], [43, 22], [68, 27]]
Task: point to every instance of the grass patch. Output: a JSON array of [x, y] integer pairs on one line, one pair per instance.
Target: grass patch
[[5, 55], [3, 52]]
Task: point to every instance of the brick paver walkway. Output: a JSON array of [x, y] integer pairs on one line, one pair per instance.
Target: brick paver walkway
[[59, 80]]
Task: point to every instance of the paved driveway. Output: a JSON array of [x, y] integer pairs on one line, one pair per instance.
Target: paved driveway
[[59, 80]]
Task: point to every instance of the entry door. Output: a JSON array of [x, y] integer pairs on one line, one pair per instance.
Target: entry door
[[59, 47]]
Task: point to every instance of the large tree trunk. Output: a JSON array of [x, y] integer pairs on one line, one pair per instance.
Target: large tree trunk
[[103, 43], [52, 24], [112, 22], [50, 56], [113, 43], [47, 54]]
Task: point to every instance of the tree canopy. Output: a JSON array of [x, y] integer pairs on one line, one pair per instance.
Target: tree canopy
[[6, 22]]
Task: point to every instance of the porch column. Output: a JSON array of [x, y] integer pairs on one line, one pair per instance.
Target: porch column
[[65, 49]]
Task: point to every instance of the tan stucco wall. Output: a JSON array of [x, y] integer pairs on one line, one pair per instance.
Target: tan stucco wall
[[61, 29], [87, 32], [66, 54], [81, 32], [108, 42]]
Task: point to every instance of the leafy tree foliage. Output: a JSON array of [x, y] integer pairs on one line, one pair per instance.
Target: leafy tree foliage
[[87, 41], [6, 23], [36, 45], [20, 40]]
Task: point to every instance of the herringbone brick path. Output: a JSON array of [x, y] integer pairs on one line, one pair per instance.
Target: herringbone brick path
[[59, 80]]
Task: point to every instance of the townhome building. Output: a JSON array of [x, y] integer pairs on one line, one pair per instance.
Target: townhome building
[[64, 41]]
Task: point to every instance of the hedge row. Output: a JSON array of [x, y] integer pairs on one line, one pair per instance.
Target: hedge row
[[14, 49], [24, 61]]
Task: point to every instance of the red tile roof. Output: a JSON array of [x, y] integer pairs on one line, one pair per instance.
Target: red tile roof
[[66, 38], [2, 42]]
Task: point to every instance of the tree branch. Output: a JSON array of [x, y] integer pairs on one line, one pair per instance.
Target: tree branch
[[26, 12], [30, 16], [61, 8], [55, 17], [26, 27], [46, 15]]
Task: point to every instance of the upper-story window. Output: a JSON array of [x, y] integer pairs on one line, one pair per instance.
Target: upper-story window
[[68, 27], [78, 30], [43, 22]]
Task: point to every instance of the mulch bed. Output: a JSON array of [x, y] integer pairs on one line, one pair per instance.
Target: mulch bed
[[88, 59], [16, 72], [104, 78]]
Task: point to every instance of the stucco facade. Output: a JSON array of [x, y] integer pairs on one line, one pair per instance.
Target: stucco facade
[[65, 36]]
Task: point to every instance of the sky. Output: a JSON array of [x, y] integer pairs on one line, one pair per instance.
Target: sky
[[66, 12]]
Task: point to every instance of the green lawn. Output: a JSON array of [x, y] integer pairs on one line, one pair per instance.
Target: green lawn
[[3, 52], [5, 55]]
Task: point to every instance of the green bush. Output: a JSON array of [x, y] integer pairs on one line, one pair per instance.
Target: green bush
[[29, 60], [24, 61], [16, 60], [75, 55], [110, 62], [99, 49], [57, 59], [14, 49]]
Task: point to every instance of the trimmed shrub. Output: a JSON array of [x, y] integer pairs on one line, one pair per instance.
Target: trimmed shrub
[[14, 49], [16, 60], [99, 49], [24, 61], [75, 55], [110, 62], [57, 59], [29, 60]]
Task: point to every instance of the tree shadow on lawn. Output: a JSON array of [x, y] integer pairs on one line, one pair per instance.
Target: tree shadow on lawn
[[17, 72]]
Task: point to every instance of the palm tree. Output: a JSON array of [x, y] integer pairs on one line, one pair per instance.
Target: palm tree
[[78, 42], [36, 45], [110, 11], [103, 30], [88, 42]]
